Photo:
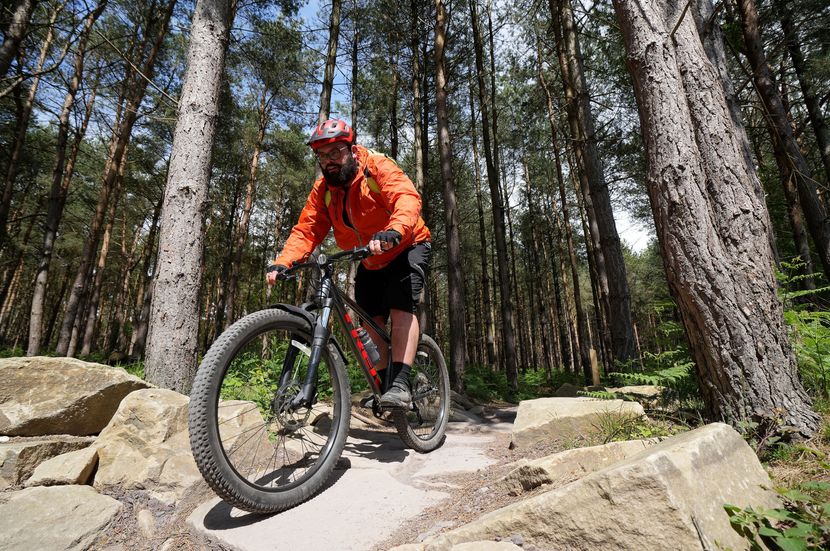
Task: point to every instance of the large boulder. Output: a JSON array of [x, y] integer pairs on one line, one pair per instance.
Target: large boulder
[[40, 395], [146, 444], [563, 418], [20, 457], [564, 467], [56, 518], [66, 469], [669, 496]]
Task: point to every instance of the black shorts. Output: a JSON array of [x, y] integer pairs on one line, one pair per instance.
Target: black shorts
[[397, 286]]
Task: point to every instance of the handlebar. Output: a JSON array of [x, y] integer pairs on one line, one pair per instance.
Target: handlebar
[[358, 253]]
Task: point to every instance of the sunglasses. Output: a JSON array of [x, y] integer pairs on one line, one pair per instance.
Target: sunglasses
[[332, 155]]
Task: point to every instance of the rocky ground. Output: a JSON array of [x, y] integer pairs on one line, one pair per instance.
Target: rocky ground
[[148, 524], [383, 496], [471, 495]]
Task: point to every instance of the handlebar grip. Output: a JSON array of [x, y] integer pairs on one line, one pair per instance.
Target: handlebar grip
[[361, 252]]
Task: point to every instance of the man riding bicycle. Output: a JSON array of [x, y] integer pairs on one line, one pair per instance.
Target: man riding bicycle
[[368, 200]]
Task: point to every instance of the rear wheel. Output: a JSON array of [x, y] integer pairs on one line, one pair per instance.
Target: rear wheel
[[422, 427], [255, 449]]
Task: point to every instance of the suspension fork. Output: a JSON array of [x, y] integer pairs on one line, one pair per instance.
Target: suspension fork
[[319, 342]]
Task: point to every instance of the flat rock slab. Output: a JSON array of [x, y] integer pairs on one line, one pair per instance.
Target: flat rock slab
[[563, 418], [381, 486], [669, 496], [40, 395], [567, 466], [66, 469], [20, 457], [55, 518]]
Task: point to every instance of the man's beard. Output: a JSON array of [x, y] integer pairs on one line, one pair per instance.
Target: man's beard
[[345, 176]]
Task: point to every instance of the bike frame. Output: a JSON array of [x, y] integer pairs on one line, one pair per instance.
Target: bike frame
[[329, 300]]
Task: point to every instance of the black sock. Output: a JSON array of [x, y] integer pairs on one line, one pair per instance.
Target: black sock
[[401, 371]]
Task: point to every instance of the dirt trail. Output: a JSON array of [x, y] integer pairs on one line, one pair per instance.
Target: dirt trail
[[380, 488]]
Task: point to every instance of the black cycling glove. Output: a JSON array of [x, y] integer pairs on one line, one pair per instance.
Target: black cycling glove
[[392, 237], [279, 268]]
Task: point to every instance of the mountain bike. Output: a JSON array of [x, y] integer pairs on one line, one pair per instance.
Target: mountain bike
[[270, 405]]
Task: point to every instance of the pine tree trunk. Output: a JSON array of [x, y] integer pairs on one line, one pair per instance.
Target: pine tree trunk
[[486, 295], [13, 35], [711, 225], [783, 141], [581, 318], [417, 75], [331, 60], [610, 267], [811, 101], [95, 293], [509, 363], [538, 330], [705, 17], [61, 177], [250, 190], [143, 296], [22, 128], [455, 278], [355, 72], [172, 340], [393, 110]]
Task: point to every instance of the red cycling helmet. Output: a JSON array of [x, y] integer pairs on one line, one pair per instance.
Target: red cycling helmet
[[330, 131]]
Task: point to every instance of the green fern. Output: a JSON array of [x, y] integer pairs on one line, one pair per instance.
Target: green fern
[[810, 335], [604, 395]]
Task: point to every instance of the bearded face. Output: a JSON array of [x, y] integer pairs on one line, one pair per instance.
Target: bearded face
[[338, 165]]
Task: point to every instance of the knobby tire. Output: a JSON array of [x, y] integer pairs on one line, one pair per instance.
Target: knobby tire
[[423, 427], [233, 370]]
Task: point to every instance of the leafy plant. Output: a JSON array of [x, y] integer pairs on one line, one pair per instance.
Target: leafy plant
[[604, 395], [802, 524], [810, 335], [764, 437], [809, 327], [679, 381]]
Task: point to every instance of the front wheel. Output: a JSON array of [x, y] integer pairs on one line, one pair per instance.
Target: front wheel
[[255, 446], [422, 427]]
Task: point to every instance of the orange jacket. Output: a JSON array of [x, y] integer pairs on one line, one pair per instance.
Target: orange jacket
[[390, 204]]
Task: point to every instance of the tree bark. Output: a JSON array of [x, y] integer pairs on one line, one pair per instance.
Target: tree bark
[[705, 17], [610, 266], [174, 314], [509, 363], [61, 177], [711, 225], [455, 278], [783, 141], [14, 33]]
